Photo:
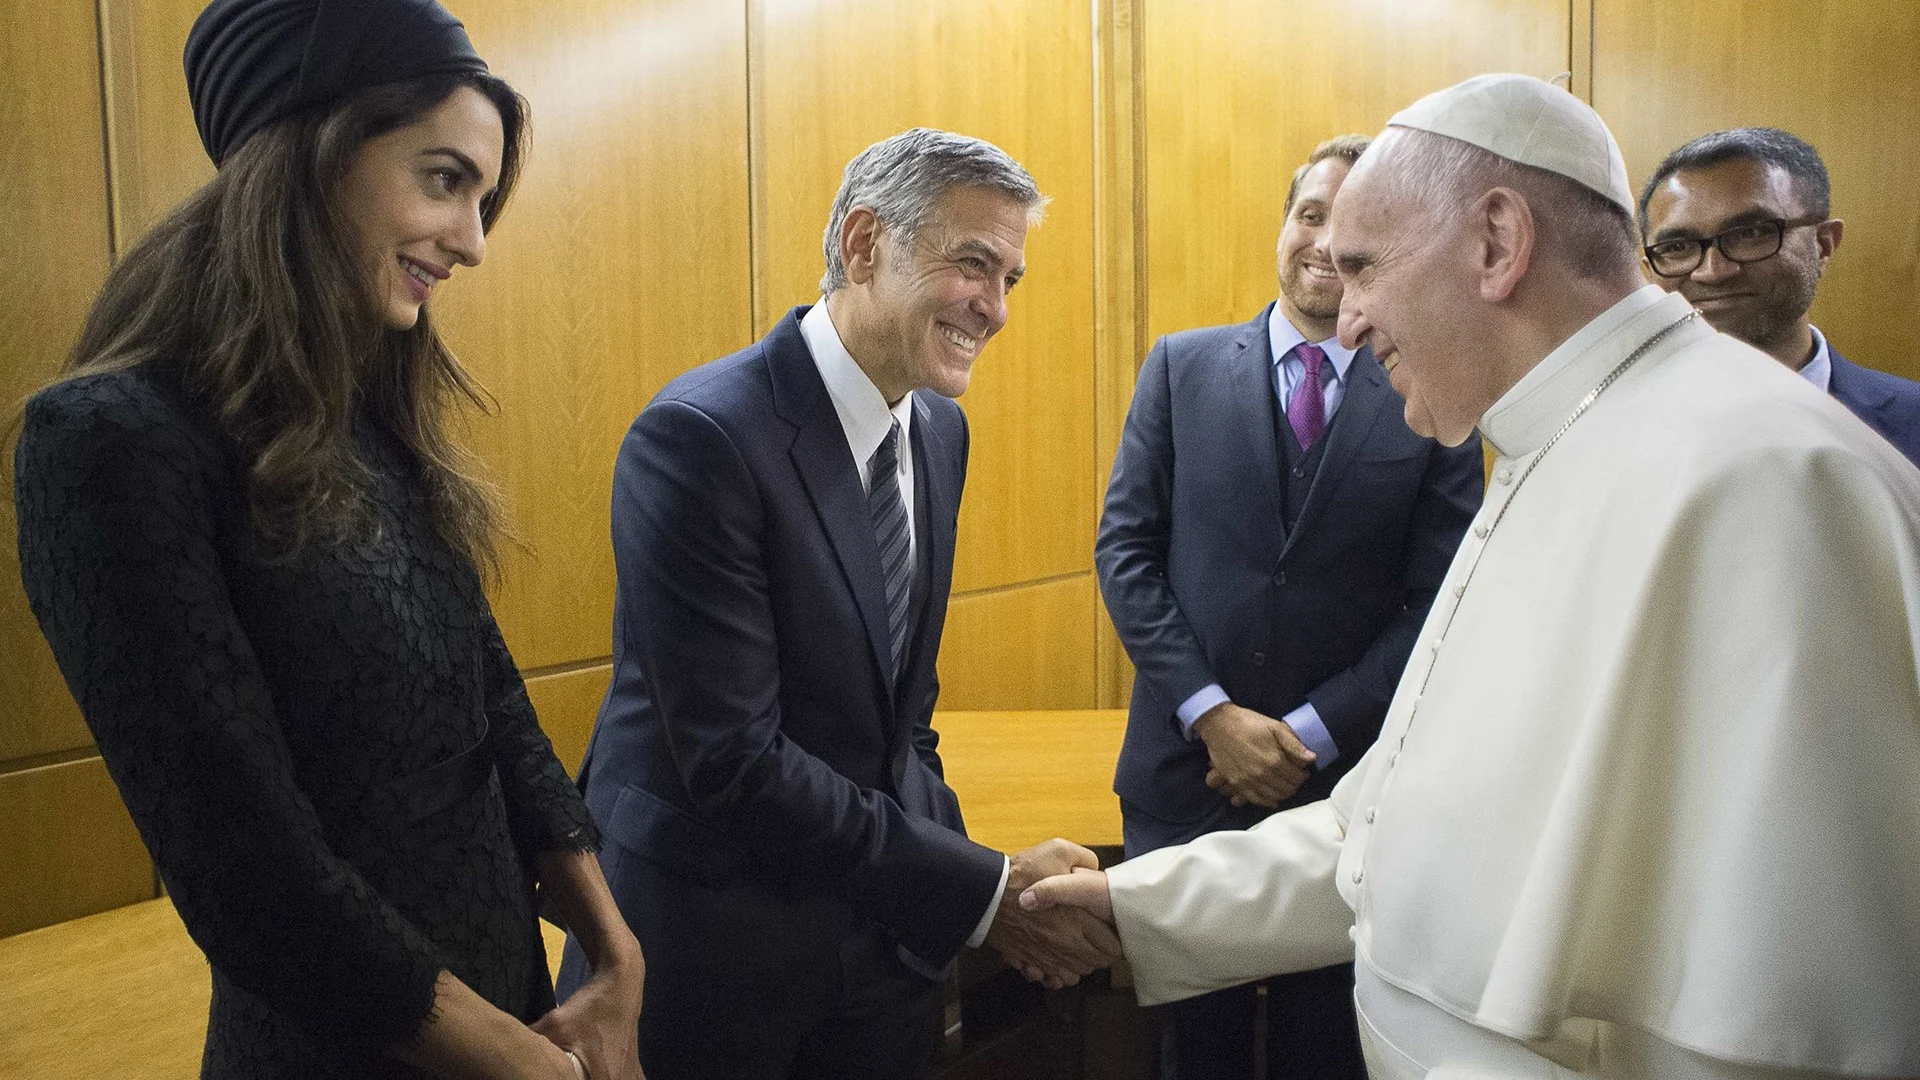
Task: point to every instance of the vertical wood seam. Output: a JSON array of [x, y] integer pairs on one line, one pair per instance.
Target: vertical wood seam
[[758, 249], [105, 57]]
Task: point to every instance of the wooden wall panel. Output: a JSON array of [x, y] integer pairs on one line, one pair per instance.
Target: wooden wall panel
[[68, 846], [1028, 647], [1838, 73], [53, 256], [832, 77], [567, 703], [157, 157], [622, 262], [1236, 94]]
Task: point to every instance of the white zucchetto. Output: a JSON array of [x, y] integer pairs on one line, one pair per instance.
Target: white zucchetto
[[1535, 123]]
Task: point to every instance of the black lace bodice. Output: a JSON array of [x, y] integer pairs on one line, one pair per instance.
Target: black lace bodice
[[281, 730]]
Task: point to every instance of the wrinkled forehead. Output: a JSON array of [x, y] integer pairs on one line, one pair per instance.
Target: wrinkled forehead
[[1374, 203]]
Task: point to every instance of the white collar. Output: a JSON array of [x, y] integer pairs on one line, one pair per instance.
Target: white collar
[[1526, 416], [1819, 370], [864, 414], [1284, 336]]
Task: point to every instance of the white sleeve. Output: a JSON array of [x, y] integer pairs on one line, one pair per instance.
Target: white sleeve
[[1232, 907]]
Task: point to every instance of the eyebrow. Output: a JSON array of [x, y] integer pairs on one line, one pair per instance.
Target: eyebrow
[[1745, 217], [985, 251]]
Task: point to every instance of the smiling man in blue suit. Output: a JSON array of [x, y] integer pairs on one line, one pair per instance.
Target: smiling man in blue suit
[[1273, 536], [1739, 222], [764, 767]]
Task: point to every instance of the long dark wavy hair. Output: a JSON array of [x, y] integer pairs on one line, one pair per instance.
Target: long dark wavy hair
[[254, 294]]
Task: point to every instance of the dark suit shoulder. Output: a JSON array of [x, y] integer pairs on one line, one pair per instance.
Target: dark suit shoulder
[[1205, 341], [1852, 378], [721, 383]]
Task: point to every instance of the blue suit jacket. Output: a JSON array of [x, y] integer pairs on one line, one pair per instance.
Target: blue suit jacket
[[750, 759], [1889, 404], [1205, 584]]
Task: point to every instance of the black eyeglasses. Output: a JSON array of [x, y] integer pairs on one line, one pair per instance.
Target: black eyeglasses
[[1750, 243]]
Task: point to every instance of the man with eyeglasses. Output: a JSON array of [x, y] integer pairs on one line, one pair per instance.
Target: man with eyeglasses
[[1737, 222]]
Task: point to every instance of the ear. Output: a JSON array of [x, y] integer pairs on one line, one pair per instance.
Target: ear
[[860, 244], [1828, 234], [1506, 239]]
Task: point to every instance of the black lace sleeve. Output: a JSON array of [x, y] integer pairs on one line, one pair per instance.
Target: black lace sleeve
[[544, 808], [118, 552]]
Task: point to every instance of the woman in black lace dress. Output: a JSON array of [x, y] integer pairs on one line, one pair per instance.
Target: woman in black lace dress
[[253, 550]]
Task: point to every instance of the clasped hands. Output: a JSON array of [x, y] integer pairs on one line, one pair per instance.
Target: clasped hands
[[1052, 943], [1254, 758]]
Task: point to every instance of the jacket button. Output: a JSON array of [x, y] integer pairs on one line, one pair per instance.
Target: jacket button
[[1280, 578], [1259, 659]]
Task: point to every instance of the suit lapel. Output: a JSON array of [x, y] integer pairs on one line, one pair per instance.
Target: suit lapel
[[1249, 387], [1366, 395], [933, 540], [827, 472]]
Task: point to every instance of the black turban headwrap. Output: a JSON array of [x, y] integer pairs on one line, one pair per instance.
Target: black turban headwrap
[[251, 62]]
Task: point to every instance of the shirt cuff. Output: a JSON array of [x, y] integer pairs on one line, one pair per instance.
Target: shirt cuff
[[1312, 732], [1196, 706], [979, 934]]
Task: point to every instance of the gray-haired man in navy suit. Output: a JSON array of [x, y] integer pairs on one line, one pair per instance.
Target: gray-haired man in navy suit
[[1273, 536], [1738, 222], [778, 830]]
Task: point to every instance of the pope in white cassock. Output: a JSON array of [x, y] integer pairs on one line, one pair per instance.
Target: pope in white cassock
[[1647, 801]]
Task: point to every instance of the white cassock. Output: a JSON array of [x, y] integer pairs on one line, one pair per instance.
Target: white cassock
[[1647, 801]]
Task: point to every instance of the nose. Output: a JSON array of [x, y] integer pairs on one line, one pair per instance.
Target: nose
[[991, 303], [1714, 267], [466, 239], [1353, 325]]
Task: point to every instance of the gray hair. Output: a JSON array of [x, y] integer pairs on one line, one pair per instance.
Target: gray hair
[[1584, 229], [901, 178]]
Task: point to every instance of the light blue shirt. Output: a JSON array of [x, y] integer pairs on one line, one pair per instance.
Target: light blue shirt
[[1819, 370], [1288, 372]]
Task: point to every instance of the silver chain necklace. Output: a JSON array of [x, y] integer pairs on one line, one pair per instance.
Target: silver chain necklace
[[1459, 591]]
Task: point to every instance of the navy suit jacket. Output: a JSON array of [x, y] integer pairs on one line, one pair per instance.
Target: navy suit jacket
[[1889, 404], [1206, 585], [751, 757]]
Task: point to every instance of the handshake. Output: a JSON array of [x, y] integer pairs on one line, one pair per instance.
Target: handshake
[[1055, 924]]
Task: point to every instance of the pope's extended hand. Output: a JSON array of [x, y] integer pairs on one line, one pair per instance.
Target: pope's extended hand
[[1083, 889]]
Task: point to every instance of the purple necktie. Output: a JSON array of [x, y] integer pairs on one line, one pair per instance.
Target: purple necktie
[[1307, 412]]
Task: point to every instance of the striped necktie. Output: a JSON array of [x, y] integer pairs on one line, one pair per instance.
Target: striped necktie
[[889, 513]]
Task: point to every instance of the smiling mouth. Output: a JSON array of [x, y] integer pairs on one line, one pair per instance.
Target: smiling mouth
[[1318, 272], [421, 273], [966, 343]]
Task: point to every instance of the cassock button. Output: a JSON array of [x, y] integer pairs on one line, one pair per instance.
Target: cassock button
[[1504, 476], [1370, 813], [1459, 591], [1480, 531], [1394, 760], [1353, 933], [1357, 875]]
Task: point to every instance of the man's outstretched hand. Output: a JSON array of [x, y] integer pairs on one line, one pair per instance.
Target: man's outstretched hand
[[1055, 945]]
